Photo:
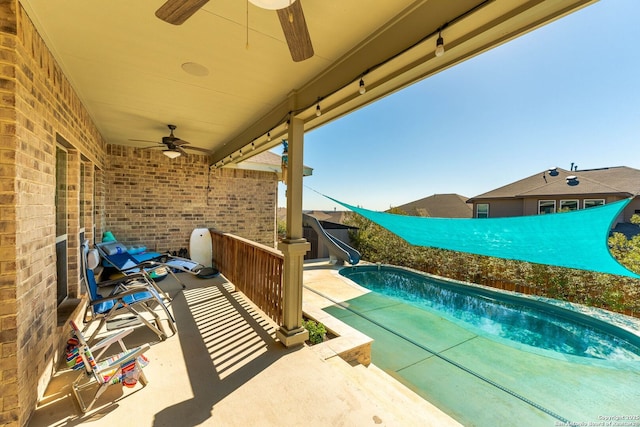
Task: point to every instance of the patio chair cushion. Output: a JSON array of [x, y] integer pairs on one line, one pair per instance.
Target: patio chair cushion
[[125, 260], [114, 248]]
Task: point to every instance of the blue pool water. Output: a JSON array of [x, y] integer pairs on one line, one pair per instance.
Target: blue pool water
[[512, 318]]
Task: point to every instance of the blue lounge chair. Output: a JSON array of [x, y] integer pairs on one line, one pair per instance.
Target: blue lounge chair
[[133, 295], [154, 264]]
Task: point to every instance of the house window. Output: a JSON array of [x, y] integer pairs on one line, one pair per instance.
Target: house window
[[61, 223], [482, 210], [591, 203], [82, 195], [546, 206], [568, 205]]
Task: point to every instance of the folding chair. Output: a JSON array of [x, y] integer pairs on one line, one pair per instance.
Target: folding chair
[[124, 368], [133, 294]]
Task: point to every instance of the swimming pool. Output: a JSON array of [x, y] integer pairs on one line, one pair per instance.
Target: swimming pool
[[513, 319], [480, 378]]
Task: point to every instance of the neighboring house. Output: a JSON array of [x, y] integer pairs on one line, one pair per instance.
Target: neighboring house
[[267, 161], [559, 190], [439, 206]]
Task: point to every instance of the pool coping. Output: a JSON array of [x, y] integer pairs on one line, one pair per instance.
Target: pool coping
[[349, 344]]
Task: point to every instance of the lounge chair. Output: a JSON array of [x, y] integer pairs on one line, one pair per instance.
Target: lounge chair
[[116, 256], [155, 264], [133, 295], [124, 368]]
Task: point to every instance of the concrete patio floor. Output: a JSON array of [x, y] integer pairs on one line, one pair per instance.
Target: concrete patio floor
[[225, 368]]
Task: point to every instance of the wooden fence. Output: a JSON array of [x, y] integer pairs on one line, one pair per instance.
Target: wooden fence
[[255, 270]]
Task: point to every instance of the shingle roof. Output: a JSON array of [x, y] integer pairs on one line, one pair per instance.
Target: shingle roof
[[266, 157], [439, 206], [612, 180], [268, 161]]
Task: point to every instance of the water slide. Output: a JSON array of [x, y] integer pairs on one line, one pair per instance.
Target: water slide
[[337, 248]]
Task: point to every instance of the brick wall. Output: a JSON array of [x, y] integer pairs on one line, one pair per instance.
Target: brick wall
[[9, 402], [155, 201], [244, 203], [39, 108]]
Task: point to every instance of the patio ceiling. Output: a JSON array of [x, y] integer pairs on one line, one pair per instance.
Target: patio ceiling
[[127, 65]]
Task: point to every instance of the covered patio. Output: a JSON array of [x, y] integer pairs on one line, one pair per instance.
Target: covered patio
[[224, 367], [89, 90]]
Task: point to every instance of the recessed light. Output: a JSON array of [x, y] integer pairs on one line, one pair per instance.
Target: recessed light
[[195, 69]]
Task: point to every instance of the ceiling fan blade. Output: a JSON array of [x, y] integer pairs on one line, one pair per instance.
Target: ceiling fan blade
[[296, 32], [181, 150], [177, 11], [179, 141], [203, 150], [149, 148]]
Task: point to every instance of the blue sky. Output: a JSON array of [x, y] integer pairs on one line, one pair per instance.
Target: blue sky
[[567, 92]]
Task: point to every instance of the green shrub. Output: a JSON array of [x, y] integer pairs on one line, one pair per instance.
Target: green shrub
[[281, 228], [317, 331]]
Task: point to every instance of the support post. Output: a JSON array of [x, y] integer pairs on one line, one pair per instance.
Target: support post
[[294, 246]]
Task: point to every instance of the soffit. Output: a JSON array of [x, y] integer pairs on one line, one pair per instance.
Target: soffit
[[125, 64]]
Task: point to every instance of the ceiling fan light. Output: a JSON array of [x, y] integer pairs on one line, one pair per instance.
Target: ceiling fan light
[[171, 154], [273, 4]]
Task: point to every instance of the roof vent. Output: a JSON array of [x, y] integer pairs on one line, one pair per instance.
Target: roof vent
[[553, 171], [572, 180]]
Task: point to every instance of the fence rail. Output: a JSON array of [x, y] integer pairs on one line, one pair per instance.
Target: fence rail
[[255, 270]]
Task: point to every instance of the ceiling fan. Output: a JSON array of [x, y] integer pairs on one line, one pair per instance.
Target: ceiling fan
[[290, 14], [173, 146]]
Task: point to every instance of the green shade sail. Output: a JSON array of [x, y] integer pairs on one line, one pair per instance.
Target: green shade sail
[[576, 239]]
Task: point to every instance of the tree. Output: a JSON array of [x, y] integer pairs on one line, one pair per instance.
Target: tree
[[375, 243], [627, 251]]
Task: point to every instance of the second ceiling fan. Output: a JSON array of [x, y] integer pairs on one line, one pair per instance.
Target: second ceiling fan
[[289, 12], [172, 145]]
